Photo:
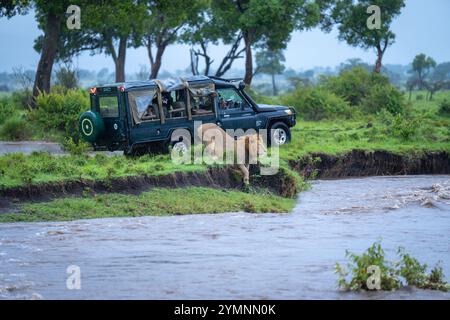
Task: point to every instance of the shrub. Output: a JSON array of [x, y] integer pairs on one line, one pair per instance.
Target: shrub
[[419, 97], [404, 128], [15, 128], [315, 103], [407, 271], [61, 111], [359, 266], [7, 110], [354, 85], [383, 97], [444, 107]]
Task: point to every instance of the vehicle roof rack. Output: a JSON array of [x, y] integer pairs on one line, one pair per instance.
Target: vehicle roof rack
[[227, 80]]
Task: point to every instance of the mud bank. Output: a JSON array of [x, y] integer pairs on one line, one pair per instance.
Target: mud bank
[[359, 163], [218, 177]]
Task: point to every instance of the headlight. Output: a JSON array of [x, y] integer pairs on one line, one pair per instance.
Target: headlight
[[289, 112]]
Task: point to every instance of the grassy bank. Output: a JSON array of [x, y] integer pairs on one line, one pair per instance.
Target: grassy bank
[[157, 202], [19, 170]]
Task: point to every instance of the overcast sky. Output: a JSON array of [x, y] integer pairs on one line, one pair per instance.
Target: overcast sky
[[422, 27]]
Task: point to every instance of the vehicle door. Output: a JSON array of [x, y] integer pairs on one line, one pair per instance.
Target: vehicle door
[[234, 110]]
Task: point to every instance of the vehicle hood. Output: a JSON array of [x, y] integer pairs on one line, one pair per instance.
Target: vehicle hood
[[270, 107]]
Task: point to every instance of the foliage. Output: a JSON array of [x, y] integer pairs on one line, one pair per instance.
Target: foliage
[[422, 65], [444, 107], [7, 110], [404, 128], [354, 85], [383, 97], [393, 275], [15, 128], [358, 266], [313, 103], [352, 18], [61, 111], [66, 77]]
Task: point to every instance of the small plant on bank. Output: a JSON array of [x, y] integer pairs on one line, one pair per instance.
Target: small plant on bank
[[404, 128], [372, 271]]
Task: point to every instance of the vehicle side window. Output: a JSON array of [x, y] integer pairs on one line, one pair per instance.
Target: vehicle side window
[[230, 99], [144, 105], [174, 104], [202, 105], [109, 106]]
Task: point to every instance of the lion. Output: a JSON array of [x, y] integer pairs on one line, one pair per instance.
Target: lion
[[246, 148]]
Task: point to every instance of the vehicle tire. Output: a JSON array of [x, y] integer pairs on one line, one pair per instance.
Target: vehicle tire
[[279, 134], [91, 126]]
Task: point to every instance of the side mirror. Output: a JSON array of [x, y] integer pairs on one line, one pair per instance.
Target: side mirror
[[241, 85]]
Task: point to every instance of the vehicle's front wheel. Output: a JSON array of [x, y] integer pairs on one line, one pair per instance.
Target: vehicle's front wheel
[[279, 134]]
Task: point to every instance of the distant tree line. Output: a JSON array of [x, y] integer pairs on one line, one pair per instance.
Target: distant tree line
[[111, 27]]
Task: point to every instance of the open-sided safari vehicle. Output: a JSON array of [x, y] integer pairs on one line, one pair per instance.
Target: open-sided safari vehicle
[[138, 116]]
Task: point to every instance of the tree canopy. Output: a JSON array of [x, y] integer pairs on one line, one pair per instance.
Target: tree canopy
[[351, 18]]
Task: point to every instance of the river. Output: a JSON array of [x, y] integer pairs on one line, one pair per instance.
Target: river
[[234, 255]]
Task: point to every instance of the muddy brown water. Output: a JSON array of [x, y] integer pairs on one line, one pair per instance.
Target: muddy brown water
[[234, 255]]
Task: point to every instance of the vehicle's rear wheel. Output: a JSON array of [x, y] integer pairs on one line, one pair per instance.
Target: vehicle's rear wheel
[[279, 134]]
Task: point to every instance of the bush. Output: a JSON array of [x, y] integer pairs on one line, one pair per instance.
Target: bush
[[420, 97], [404, 128], [354, 85], [61, 111], [369, 91], [313, 103], [444, 107], [15, 128], [407, 271], [359, 266], [383, 97], [7, 110]]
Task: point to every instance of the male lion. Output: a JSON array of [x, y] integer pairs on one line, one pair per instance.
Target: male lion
[[245, 149]]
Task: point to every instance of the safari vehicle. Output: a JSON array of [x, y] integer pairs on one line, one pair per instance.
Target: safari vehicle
[[142, 116]]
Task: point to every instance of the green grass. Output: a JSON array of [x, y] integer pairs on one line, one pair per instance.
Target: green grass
[[157, 202], [39, 167], [375, 132]]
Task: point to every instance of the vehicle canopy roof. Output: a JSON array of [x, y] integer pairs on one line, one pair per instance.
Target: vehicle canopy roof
[[171, 84]]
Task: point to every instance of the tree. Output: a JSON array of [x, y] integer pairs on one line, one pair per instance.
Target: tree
[[209, 29], [439, 79], [352, 17], [164, 24], [421, 66], [10, 8], [111, 27], [268, 24], [270, 62]]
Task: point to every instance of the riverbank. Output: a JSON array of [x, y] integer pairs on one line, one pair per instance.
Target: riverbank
[[78, 198]]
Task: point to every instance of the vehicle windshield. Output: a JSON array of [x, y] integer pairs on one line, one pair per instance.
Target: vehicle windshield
[[229, 98], [109, 106]]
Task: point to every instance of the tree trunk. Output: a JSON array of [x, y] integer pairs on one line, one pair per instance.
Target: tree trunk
[[378, 63], [156, 64], [120, 60], [48, 55], [248, 59], [274, 87]]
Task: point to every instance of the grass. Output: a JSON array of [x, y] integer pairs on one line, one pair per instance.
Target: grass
[[157, 202], [40, 167], [422, 129]]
